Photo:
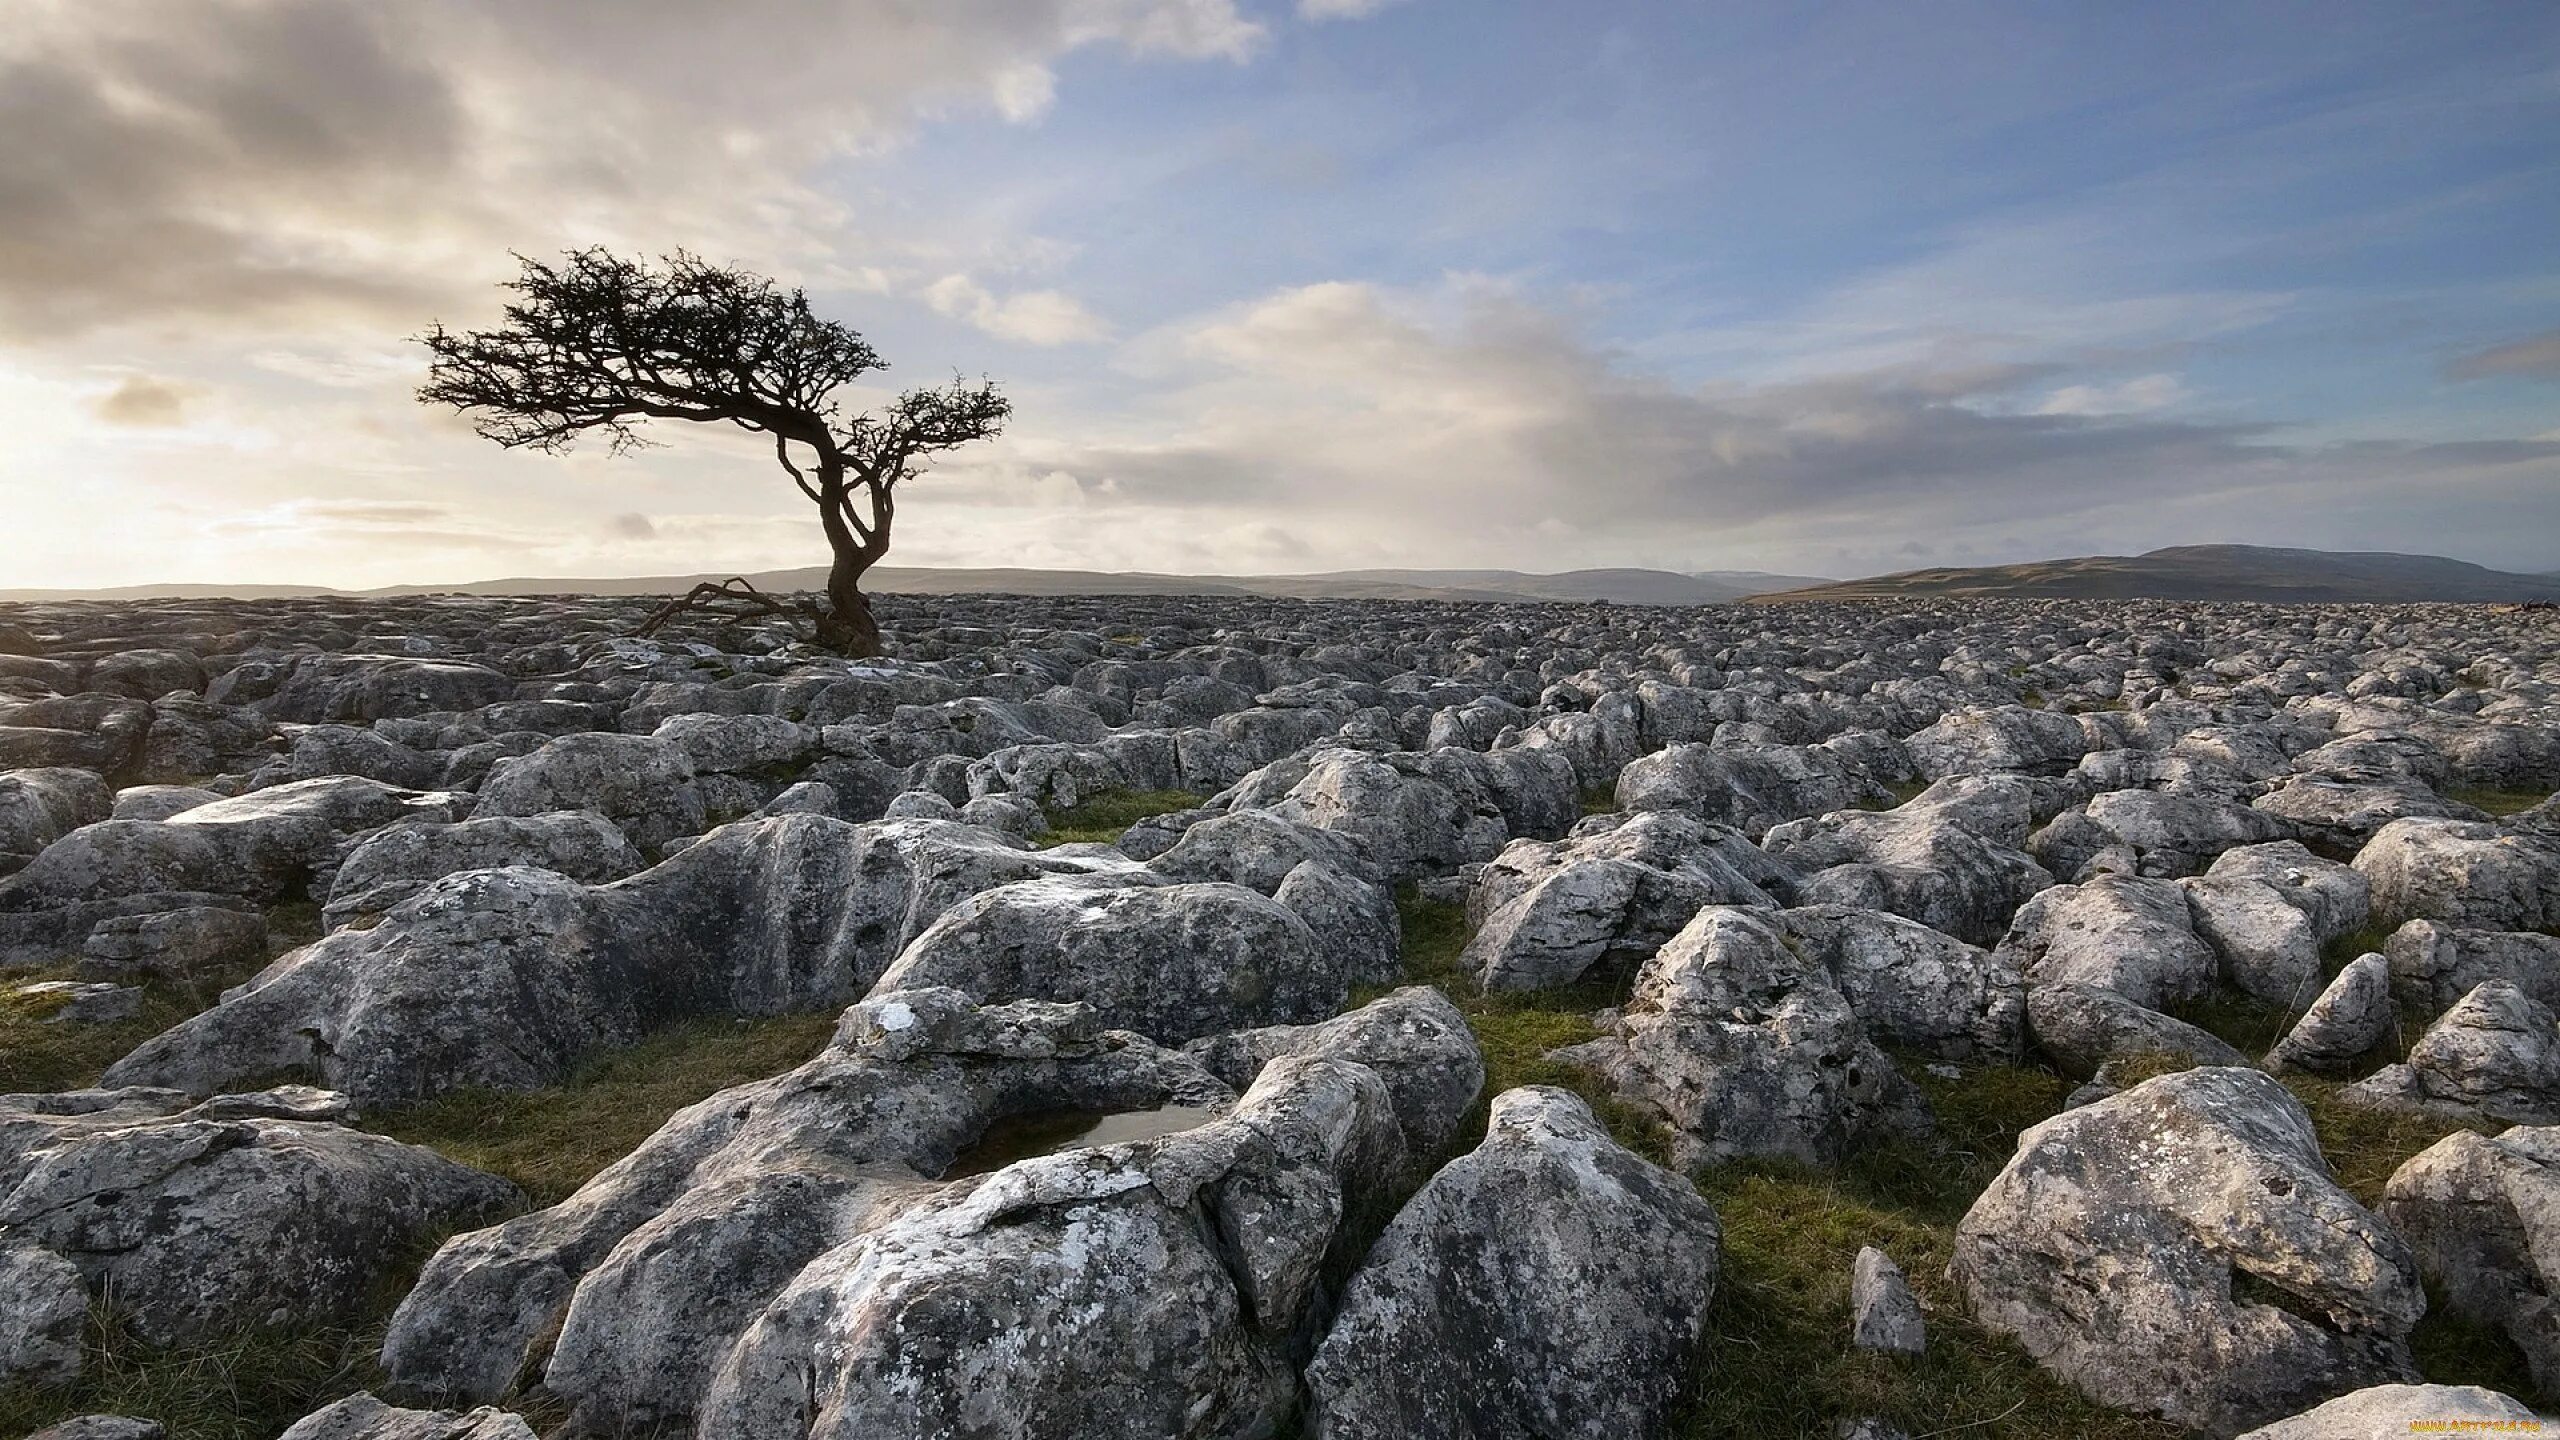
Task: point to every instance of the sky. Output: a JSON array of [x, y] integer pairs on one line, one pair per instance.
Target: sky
[[1292, 285]]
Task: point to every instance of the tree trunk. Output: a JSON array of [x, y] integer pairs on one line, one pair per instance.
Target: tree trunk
[[848, 627]]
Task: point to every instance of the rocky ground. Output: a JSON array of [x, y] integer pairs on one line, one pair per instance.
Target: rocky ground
[[443, 1017]]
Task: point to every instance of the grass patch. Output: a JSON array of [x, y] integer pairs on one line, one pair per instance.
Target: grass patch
[[1100, 818], [248, 1388], [40, 1054], [550, 1142], [2491, 800], [2244, 1022], [1903, 792], [1777, 1363], [1598, 800], [2337, 954]]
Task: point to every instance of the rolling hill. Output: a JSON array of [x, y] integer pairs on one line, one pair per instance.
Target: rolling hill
[[2209, 572], [1626, 587]]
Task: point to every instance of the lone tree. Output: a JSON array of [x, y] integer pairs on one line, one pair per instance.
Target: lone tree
[[600, 343]]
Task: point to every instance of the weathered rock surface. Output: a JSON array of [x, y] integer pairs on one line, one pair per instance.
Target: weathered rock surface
[[2393, 1410], [2118, 932], [396, 862], [640, 1284], [1545, 913], [2353, 1017], [1546, 1284], [506, 978], [1746, 1048], [2463, 872], [2434, 964], [1883, 1313], [2179, 1249], [363, 1417], [2483, 1215], [466, 789], [2495, 1055], [202, 1221], [1084, 1293]]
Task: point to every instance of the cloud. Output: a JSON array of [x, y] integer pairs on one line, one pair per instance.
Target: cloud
[[139, 400], [1340, 9], [181, 161], [2139, 395], [632, 525], [1030, 317], [1471, 421], [2535, 355]]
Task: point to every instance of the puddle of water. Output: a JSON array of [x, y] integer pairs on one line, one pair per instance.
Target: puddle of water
[[1046, 1132]]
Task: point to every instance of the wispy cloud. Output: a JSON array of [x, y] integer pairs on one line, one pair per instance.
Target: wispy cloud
[[1031, 317], [2535, 355]]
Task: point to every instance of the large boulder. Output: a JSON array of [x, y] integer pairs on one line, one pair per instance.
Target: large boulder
[[628, 1295], [2483, 1215], [2495, 1055], [204, 1220], [2268, 946], [2395, 1410], [2434, 964], [1745, 1047], [1172, 961], [2086, 1029], [2350, 1020], [507, 978], [1545, 913], [44, 1310], [2175, 832], [2179, 1249], [1914, 988], [1154, 1289], [38, 807], [1927, 860], [2334, 897], [1548, 1285], [2465, 872], [2011, 737], [1749, 787], [642, 784], [2118, 932], [394, 863], [360, 689], [1414, 1038], [363, 1417]]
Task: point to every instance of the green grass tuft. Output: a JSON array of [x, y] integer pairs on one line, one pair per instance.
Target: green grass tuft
[[549, 1142], [39, 1053], [1903, 792], [2492, 800], [246, 1388], [1101, 818]]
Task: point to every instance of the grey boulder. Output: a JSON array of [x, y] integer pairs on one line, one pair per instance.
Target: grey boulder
[[1547, 1285], [1746, 1048], [2465, 872], [2350, 1020], [2495, 1055], [203, 1221], [2483, 1215], [2394, 1410], [2180, 1250], [396, 862]]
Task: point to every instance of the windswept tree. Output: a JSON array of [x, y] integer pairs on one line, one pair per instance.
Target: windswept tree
[[598, 343]]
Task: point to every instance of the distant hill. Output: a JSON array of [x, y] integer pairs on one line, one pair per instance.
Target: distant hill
[[2210, 572], [1625, 587]]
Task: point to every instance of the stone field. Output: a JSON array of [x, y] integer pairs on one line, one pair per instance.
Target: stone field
[[1228, 1017]]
